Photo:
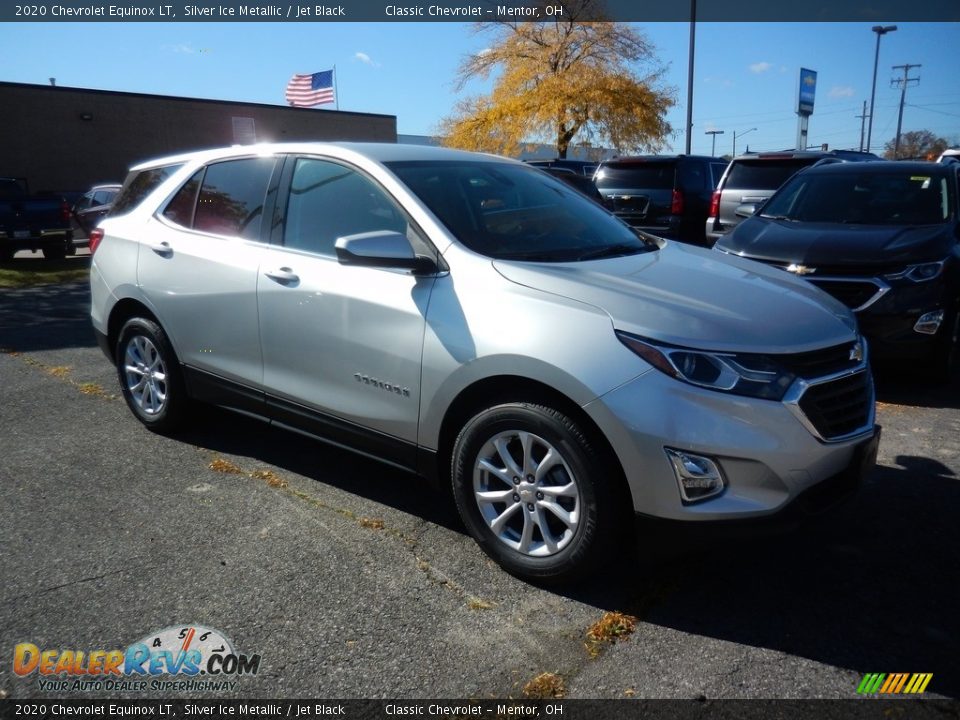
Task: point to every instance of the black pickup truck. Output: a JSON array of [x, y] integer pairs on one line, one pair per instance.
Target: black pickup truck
[[32, 222]]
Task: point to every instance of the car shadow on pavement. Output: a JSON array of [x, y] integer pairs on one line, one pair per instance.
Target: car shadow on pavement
[[897, 387], [870, 586], [46, 317], [229, 433]]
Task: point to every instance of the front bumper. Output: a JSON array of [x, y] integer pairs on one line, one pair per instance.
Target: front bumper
[[769, 460]]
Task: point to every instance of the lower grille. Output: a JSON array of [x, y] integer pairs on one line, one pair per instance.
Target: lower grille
[[854, 294], [841, 407]]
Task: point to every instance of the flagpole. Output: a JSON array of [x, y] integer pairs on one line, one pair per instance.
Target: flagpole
[[336, 90]]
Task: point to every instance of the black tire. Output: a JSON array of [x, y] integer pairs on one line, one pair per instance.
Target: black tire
[[6, 255], [944, 359], [599, 513], [160, 404], [55, 252]]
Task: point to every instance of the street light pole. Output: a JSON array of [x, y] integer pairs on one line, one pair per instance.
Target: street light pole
[[880, 30], [736, 135], [713, 141]]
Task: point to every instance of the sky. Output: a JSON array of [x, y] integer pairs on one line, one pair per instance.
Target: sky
[[745, 74]]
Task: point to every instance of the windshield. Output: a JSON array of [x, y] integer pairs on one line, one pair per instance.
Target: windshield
[[893, 197], [514, 212]]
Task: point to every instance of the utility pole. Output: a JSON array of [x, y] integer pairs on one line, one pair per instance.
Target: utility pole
[[693, 39], [713, 141], [863, 117], [903, 83]]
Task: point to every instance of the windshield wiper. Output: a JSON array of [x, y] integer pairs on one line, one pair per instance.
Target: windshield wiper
[[778, 217], [613, 251]]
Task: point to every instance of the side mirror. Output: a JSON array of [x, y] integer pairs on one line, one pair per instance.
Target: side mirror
[[382, 249]]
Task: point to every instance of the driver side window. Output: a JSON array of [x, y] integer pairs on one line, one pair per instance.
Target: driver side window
[[328, 200]]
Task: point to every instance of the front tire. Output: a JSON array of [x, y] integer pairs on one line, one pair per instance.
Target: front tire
[[149, 375], [534, 491]]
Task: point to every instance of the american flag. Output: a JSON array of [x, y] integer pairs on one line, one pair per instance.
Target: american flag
[[310, 90]]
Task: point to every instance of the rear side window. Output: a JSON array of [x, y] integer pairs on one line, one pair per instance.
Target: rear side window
[[138, 185], [232, 195], [717, 172], [763, 174], [692, 176], [636, 176]]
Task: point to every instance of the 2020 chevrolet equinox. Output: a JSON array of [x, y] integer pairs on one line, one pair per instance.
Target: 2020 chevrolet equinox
[[475, 320]]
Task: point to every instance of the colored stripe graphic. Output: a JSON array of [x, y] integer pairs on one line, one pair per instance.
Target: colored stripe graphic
[[894, 683]]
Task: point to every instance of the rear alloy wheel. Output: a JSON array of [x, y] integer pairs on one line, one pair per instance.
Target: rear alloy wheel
[[149, 375], [533, 492]]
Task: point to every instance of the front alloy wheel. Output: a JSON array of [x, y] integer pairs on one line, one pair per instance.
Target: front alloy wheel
[[535, 492], [526, 493]]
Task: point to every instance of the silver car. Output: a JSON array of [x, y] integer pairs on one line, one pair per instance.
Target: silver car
[[476, 321]]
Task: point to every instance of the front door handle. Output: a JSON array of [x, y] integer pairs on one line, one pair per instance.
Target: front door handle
[[162, 248], [284, 276]]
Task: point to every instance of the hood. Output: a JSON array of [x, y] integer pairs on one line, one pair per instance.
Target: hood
[[683, 295], [835, 244]]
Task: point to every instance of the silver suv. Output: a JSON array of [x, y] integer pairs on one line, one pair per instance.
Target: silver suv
[[475, 320]]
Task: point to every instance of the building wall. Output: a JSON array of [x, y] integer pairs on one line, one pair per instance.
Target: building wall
[[62, 139]]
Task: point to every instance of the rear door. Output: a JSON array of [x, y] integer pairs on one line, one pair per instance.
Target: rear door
[[198, 266], [342, 345]]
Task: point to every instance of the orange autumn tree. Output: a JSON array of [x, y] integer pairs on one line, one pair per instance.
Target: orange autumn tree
[[560, 80]]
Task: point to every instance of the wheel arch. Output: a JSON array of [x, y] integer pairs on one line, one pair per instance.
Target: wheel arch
[[499, 389], [124, 310]]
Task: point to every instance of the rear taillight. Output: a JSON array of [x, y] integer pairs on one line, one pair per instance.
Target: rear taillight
[[64, 211], [676, 203], [96, 235], [715, 204]]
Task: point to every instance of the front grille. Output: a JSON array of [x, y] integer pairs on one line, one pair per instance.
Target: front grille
[[839, 407], [852, 293], [820, 363]]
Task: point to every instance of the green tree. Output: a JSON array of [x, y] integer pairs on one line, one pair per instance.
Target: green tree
[[916, 145], [559, 80]]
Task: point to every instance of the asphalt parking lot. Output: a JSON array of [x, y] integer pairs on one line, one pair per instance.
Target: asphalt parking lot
[[351, 579]]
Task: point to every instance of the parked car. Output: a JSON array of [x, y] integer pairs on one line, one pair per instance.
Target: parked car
[[93, 206], [881, 237], [666, 195], [580, 167], [32, 222], [752, 178], [476, 321], [580, 183]]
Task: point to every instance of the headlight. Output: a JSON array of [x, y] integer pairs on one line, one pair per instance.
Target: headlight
[[738, 373], [920, 273]]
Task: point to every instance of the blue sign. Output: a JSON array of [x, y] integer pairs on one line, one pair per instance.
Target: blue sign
[[808, 89]]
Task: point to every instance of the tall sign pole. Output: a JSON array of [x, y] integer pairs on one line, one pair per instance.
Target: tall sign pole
[[693, 38], [805, 98]]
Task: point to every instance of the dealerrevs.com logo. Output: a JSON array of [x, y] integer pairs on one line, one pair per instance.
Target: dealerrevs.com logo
[[199, 658]]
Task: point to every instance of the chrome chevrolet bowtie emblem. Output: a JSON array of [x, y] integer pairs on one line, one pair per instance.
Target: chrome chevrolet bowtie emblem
[[800, 269], [856, 352]]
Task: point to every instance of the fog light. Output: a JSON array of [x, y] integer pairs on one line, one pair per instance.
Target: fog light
[[929, 323], [698, 477]]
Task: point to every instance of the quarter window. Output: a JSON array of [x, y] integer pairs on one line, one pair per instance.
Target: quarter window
[[328, 200], [138, 185]]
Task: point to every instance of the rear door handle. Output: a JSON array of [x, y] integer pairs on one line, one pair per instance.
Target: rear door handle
[[163, 249], [284, 276]]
